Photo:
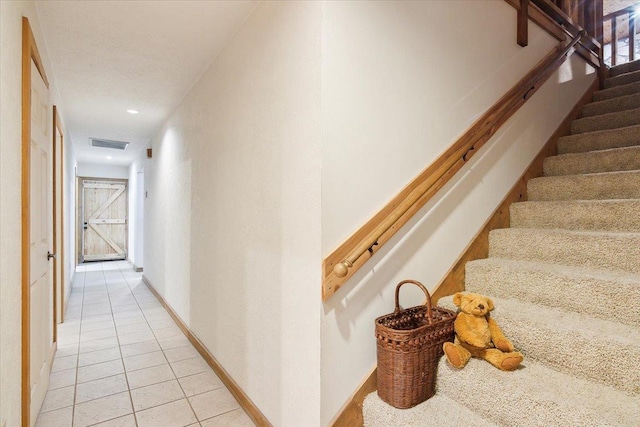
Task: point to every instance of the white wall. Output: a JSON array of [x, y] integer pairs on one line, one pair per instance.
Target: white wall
[[401, 81], [136, 210], [103, 170], [232, 217], [69, 237], [11, 13]]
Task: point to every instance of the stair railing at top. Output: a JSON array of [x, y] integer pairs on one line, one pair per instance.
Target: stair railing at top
[[631, 12], [351, 255]]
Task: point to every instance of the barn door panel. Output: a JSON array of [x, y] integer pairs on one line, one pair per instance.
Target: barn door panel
[[104, 220]]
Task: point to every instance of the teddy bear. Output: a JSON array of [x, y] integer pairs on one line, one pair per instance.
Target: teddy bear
[[478, 335]]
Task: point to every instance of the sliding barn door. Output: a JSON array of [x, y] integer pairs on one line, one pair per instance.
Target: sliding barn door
[[104, 212]]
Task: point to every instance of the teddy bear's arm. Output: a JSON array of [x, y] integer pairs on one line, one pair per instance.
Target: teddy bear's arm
[[467, 331], [497, 336]]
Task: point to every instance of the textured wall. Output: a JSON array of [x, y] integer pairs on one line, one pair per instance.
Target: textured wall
[[11, 13], [400, 83], [232, 218], [103, 170]]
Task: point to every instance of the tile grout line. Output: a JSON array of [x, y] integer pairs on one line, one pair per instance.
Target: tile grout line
[[165, 356], [124, 368], [75, 382]]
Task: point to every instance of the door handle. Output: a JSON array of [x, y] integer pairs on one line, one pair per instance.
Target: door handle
[[50, 255], [85, 226]]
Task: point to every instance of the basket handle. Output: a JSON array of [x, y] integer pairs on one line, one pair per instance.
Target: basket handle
[[426, 292]]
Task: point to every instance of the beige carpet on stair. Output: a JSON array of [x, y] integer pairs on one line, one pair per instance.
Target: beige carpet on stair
[[565, 279]]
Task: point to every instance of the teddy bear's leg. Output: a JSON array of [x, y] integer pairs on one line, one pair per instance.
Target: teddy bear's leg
[[504, 361], [457, 356]]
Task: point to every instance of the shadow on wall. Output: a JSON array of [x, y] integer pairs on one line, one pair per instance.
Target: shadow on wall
[[367, 283]]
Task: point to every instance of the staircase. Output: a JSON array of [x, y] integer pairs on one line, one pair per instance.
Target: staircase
[[565, 279]]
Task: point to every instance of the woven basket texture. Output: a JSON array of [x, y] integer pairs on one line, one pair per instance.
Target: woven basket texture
[[409, 348]]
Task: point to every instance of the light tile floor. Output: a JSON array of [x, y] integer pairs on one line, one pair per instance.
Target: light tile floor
[[122, 361]]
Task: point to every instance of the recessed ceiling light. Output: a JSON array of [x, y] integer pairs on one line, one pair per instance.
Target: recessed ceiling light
[[132, 111], [109, 157]]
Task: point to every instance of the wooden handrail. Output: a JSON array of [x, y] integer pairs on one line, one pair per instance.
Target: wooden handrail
[[348, 258], [564, 20]]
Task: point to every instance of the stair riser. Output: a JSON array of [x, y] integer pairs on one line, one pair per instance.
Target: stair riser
[[624, 185], [562, 347], [540, 286], [618, 217], [624, 68], [602, 140], [616, 91], [606, 121], [535, 402], [619, 252], [623, 79], [620, 159], [613, 105]]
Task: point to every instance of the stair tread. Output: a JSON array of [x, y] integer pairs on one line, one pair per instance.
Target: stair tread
[[616, 91], [536, 395], [608, 160], [632, 76], [591, 186], [442, 410], [600, 140], [617, 215], [537, 283], [577, 339], [621, 103], [599, 249], [613, 120], [624, 68]]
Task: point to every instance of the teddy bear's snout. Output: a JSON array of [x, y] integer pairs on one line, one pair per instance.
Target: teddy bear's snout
[[481, 307]]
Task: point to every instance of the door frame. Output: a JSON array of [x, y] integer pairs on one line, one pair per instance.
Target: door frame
[[29, 53], [80, 215], [58, 190]]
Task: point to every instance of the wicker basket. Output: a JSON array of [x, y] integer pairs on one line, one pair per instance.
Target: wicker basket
[[409, 348]]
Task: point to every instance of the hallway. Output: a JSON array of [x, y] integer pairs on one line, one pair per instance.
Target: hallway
[[122, 361]]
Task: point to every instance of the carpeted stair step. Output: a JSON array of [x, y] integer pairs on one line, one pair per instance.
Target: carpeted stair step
[[600, 140], [622, 215], [439, 410], [599, 250], [615, 120], [626, 102], [559, 286], [577, 344], [624, 68], [597, 186], [534, 395], [622, 79], [616, 91], [611, 160]]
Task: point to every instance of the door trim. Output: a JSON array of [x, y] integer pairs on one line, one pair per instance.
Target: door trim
[[58, 185], [29, 53]]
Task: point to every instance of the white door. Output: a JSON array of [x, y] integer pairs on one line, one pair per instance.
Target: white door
[[41, 229], [104, 206]]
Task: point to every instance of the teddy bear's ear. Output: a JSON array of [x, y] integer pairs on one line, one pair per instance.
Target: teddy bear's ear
[[490, 304], [457, 299]]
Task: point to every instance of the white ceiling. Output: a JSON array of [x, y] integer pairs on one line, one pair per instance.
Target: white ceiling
[[110, 56]]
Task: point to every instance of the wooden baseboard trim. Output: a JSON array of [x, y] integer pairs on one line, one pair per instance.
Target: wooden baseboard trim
[[479, 247], [351, 413], [249, 407]]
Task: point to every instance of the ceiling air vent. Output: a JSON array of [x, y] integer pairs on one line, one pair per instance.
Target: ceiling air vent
[[105, 143]]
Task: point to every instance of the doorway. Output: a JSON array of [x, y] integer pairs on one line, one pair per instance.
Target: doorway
[[103, 221]]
